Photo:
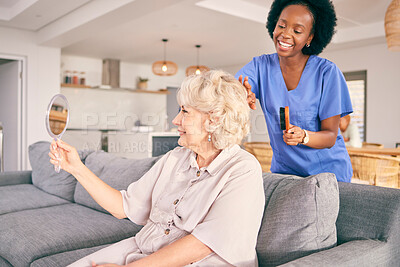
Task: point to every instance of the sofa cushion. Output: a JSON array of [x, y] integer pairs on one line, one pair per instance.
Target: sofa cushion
[[115, 171], [25, 196], [65, 258], [43, 175], [299, 217], [37, 233]]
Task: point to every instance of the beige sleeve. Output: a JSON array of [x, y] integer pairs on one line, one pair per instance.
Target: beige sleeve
[[137, 197]]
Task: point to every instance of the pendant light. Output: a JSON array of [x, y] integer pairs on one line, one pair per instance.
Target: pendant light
[[164, 67], [198, 68], [392, 26]]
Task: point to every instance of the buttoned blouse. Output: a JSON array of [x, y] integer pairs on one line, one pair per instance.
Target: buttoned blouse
[[221, 204]]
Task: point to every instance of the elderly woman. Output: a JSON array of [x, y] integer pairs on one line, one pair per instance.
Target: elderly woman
[[201, 203]]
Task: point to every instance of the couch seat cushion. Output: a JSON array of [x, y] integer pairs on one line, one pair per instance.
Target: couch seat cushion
[[65, 258], [25, 196], [33, 234], [115, 171], [299, 217], [43, 175]]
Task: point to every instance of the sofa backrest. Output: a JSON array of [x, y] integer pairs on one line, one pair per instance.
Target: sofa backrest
[[299, 217], [115, 171], [43, 175], [367, 212]]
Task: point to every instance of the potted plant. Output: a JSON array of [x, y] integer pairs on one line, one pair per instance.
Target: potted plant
[[142, 83]]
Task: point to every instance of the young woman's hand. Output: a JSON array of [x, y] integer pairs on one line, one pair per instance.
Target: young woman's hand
[[293, 136], [251, 97], [64, 155]]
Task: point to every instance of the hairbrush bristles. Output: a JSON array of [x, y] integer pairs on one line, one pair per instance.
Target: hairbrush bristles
[[282, 118]]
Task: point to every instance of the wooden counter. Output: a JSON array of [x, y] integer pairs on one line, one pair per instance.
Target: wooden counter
[[378, 151]]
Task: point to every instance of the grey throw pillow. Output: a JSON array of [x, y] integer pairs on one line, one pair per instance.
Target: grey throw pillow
[[299, 217], [115, 171], [43, 175]]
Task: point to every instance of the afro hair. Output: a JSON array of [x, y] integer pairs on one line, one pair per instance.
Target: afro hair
[[324, 21]]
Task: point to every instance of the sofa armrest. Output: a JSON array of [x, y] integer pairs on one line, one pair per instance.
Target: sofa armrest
[[353, 253], [16, 177]]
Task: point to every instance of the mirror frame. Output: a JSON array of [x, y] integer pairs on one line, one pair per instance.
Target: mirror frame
[[47, 118]]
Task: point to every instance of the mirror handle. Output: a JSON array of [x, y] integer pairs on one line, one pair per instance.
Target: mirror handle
[[57, 167]]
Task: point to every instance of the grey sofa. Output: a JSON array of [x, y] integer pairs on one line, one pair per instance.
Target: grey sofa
[[47, 219]]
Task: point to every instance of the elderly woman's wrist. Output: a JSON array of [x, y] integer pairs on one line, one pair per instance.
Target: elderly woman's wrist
[[78, 169]]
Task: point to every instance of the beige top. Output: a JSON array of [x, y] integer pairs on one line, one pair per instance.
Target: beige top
[[221, 205]]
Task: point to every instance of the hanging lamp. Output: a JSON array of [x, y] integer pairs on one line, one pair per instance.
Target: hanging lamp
[[392, 26], [198, 68], [164, 67]]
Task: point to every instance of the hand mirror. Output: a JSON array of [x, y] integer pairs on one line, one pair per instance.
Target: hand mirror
[[57, 118]]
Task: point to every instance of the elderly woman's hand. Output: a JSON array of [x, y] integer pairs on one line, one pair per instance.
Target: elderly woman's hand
[[251, 97], [65, 155], [293, 136]]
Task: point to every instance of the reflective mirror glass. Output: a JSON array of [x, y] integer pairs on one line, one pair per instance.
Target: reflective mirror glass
[[57, 118]]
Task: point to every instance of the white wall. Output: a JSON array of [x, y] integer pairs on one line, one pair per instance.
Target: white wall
[[383, 88], [139, 104], [129, 72], [41, 79], [383, 91], [115, 108]]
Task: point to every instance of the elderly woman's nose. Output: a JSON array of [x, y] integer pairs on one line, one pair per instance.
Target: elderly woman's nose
[[177, 120]]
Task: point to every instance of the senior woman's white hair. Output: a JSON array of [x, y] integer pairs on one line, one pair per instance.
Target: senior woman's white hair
[[224, 98]]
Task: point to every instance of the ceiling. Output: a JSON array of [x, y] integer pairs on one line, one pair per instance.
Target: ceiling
[[231, 32]]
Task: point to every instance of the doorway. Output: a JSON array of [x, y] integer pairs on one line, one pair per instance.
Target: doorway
[[12, 112]]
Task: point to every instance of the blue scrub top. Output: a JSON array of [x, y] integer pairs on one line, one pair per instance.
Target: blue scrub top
[[321, 93]]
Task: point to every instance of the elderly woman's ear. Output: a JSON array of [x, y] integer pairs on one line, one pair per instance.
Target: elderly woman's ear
[[208, 123]]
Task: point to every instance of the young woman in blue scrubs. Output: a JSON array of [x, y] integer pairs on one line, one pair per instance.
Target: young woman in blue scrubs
[[313, 88]]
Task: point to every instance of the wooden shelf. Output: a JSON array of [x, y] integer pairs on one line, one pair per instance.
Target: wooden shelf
[[74, 85], [160, 92], [58, 116], [57, 121]]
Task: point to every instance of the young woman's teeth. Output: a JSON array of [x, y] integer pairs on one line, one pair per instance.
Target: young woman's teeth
[[285, 45]]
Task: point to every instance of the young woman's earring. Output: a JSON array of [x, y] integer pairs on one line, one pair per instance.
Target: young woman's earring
[[209, 137], [308, 45]]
